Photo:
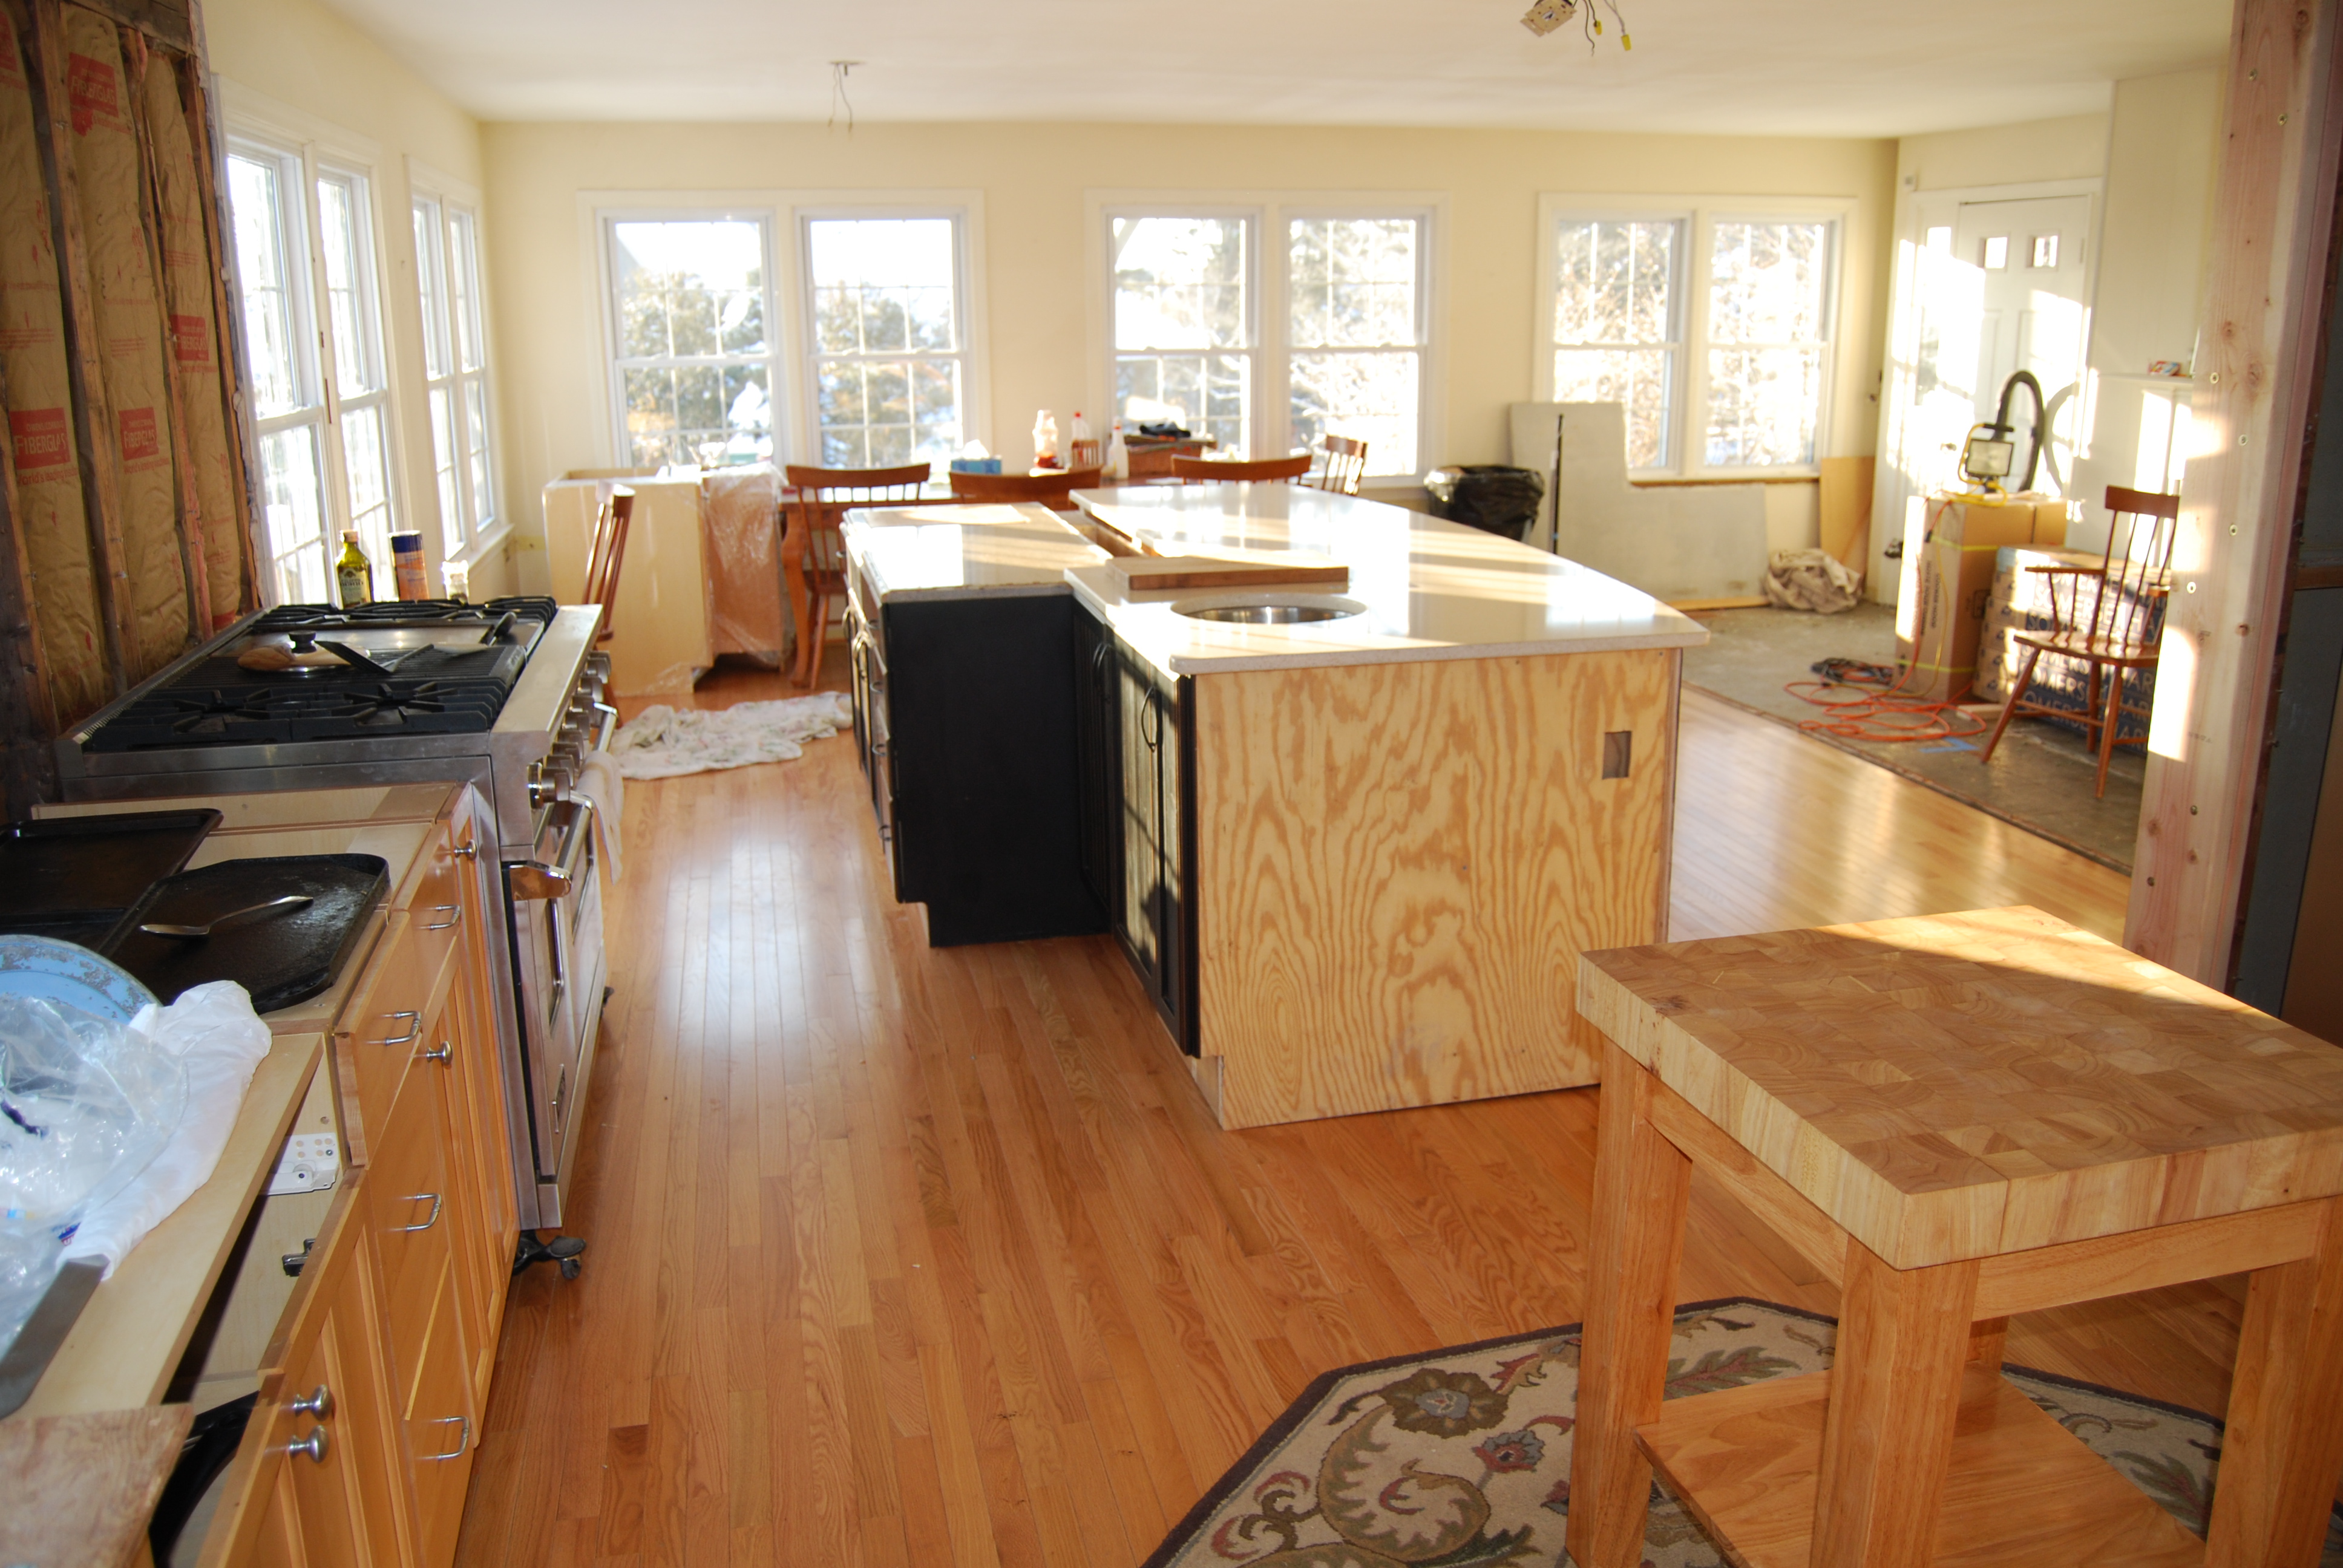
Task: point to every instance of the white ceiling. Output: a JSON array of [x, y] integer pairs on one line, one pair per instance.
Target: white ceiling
[[1832, 67]]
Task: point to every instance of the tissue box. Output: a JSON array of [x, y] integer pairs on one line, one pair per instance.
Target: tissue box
[[976, 465]]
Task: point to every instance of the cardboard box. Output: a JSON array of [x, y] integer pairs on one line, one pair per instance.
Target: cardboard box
[[1949, 554]]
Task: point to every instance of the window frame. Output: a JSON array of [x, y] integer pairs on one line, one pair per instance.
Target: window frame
[[615, 364], [1687, 420], [303, 157], [1272, 348], [428, 187], [809, 355]]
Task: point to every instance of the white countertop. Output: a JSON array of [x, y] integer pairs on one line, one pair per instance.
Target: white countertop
[[1430, 588], [944, 552]]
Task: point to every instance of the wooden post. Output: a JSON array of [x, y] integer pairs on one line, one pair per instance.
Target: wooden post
[[1643, 1184], [28, 716], [2257, 386]]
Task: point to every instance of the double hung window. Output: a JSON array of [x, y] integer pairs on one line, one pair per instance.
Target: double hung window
[[1713, 330], [307, 275], [888, 339], [1270, 347], [694, 373], [456, 370]]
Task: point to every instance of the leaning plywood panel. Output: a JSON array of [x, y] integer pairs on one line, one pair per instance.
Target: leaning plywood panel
[[195, 335], [51, 524], [1397, 921], [128, 325]]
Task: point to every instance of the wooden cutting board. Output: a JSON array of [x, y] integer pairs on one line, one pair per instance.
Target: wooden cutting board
[[1145, 572]]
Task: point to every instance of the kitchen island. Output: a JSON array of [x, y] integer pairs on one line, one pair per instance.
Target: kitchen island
[[1355, 859]]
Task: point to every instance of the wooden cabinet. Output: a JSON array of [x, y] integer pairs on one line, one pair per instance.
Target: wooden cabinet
[[398, 1308], [1135, 746]]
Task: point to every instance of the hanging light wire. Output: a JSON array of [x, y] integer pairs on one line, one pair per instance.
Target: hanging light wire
[[839, 70]]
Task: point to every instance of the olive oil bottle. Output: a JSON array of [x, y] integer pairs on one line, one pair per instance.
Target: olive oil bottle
[[353, 573]]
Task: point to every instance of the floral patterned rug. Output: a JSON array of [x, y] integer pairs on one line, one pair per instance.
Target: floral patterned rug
[[1461, 1459]]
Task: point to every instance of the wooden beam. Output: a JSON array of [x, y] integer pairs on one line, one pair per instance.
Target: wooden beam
[[2255, 396], [28, 718]]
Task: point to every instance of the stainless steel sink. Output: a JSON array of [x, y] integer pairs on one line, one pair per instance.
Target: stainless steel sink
[[1271, 612]]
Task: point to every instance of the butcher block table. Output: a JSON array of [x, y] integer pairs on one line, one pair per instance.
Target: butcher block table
[[1956, 1118]]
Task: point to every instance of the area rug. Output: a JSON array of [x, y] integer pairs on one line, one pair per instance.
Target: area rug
[[1460, 1458], [2041, 779], [663, 742]]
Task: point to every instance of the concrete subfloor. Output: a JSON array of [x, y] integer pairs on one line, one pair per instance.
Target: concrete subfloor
[[2040, 778]]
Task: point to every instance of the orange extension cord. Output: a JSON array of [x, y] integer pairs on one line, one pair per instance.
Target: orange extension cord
[[1875, 706]]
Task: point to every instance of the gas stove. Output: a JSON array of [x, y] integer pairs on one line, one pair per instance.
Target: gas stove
[[431, 666]]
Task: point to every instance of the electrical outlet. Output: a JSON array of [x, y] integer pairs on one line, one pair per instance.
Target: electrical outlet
[[312, 1162]]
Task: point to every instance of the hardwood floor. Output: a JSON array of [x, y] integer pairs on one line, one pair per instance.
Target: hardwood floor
[[909, 1256]]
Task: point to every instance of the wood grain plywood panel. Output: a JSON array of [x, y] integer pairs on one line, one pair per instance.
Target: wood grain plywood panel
[[2020, 1489], [1958, 1086], [1398, 864]]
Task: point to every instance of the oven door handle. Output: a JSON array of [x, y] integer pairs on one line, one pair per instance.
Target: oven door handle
[[537, 879]]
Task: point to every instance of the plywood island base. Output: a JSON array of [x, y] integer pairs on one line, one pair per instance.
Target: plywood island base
[[1398, 864]]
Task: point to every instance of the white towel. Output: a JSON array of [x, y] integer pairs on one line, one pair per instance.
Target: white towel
[[598, 780]]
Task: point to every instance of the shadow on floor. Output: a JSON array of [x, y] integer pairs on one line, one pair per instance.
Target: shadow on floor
[[2040, 778]]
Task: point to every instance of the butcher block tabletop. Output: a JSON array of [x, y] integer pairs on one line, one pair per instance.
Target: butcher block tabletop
[[1967, 1085]]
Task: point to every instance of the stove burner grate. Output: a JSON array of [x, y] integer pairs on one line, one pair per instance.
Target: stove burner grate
[[403, 612], [217, 716]]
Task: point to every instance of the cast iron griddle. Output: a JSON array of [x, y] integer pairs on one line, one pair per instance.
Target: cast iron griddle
[[73, 878], [280, 959]]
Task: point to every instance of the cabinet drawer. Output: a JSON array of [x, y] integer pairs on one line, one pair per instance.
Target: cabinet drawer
[[413, 1211], [375, 1038], [436, 908], [442, 1429]]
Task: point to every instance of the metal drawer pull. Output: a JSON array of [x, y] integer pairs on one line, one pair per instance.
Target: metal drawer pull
[[462, 1438], [414, 1028], [313, 1445], [455, 913], [319, 1404], [445, 1055], [434, 1219]]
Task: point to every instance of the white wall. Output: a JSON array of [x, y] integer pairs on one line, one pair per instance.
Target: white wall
[[1033, 181]]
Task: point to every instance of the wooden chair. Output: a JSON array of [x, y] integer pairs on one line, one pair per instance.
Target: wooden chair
[[606, 554], [813, 557], [1211, 472], [1346, 465], [2115, 631], [1049, 488]]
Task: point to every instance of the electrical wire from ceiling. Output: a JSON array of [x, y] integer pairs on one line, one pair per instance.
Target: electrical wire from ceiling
[[839, 70]]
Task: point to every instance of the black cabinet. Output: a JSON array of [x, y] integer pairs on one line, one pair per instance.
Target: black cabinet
[[965, 715], [1135, 744]]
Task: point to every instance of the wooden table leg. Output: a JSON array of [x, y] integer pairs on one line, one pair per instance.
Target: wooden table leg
[[2283, 1447], [1896, 1387], [1642, 1184]]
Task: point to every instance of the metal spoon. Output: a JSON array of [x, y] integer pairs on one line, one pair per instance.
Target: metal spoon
[[234, 917]]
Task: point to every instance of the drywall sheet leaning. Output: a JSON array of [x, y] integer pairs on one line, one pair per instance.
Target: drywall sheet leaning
[[195, 335], [1676, 542], [51, 521], [661, 642], [740, 508], [138, 413]]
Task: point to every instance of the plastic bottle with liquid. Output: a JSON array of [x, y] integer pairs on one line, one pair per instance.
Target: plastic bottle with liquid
[[1118, 456], [353, 573], [1045, 441]]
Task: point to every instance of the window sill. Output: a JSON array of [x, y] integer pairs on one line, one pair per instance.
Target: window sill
[[1763, 477], [481, 549]]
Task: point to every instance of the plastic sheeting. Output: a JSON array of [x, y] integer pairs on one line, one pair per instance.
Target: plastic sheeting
[[195, 335], [51, 520], [739, 518], [138, 413]]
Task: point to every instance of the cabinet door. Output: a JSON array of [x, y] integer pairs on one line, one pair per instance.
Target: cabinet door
[[316, 1483], [1175, 911], [442, 1422], [1096, 754], [1138, 900], [416, 1214], [485, 1214]]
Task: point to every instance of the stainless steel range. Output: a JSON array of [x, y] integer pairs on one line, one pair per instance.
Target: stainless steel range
[[506, 696]]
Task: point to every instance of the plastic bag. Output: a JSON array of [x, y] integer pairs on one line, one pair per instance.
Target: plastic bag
[[1492, 496], [1812, 580], [86, 1105]]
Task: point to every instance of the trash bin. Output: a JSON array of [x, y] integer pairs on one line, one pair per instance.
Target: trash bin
[[1491, 497]]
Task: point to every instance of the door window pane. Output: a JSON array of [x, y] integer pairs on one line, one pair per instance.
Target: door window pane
[[1616, 324], [1768, 307], [888, 387], [1183, 325]]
